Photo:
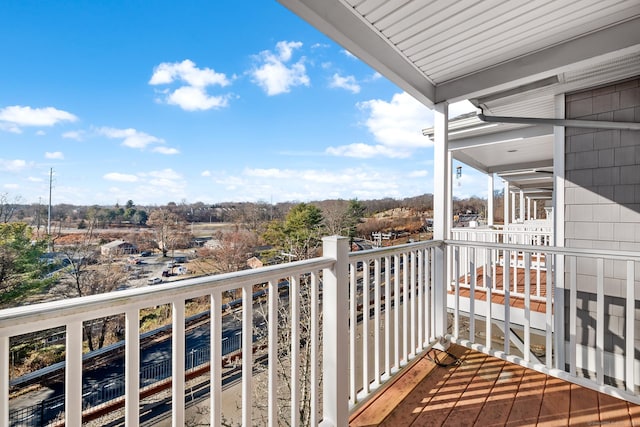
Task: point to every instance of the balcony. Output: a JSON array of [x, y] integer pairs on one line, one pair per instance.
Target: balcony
[[372, 316]]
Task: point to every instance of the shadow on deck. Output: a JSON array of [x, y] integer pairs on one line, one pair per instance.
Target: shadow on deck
[[486, 391]]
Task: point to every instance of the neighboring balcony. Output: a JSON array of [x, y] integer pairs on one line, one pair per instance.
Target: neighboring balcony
[[350, 324]]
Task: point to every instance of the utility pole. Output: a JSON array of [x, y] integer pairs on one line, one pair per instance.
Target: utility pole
[[49, 211]]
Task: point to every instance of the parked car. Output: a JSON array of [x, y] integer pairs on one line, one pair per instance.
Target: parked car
[[145, 253], [154, 280]]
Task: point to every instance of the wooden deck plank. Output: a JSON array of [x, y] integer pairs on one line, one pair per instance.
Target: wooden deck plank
[[498, 405], [613, 411], [528, 400], [413, 404], [442, 404], [486, 391], [376, 411], [467, 410], [554, 410], [583, 403]]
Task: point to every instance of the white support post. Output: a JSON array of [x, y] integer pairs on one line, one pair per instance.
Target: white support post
[[73, 375], [514, 218], [442, 213], [215, 367], [132, 367], [335, 337], [558, 232], [521, 210], [506, 203], [177, 363], [4, 380], [528, 208], [490, 200], [535, 209]]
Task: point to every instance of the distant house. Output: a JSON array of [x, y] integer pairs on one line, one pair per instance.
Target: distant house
[[255, 262], [118, 247]]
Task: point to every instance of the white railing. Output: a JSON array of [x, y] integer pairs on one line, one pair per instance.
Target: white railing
[[371, 312], [71, 314], [602, 357], [395, 287]]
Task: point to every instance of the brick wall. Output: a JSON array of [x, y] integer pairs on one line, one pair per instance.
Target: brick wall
[[602, 200]]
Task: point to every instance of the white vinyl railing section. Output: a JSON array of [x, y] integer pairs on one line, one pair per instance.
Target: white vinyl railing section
[[576, 337], [391, 312], [371, 312], [71, 314]]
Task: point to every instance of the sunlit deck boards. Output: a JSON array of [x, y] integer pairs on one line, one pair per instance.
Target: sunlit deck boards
[[486, 391]]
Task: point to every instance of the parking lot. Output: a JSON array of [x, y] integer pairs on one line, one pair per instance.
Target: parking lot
[[154, 269]]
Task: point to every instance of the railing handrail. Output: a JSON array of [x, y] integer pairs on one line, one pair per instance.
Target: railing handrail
[[389, 250], [588, 253], [25, 319]]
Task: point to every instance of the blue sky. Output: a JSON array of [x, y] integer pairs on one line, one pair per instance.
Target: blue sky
[[211, 101]]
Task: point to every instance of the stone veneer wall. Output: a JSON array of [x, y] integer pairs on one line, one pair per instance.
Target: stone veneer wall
[[602, 202]]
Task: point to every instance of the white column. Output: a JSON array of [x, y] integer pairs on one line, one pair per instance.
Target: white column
[[528, 208], [506, 202], [490, 200], [4, 380], [178, 345], [335, 338], [73, 375], [558, 230], [535, 209], [521, 210], [514, 218], [441, 212], [132, 368]]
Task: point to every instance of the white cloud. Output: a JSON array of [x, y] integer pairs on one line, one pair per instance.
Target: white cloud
[[193, 98], [186, 71], [318, 184], [120, 177], [54, 155], [419, 174], [12, 165], [78, 135], [398, 123], [34, 179], [349, 83], [348, 54], [41, 133], [396, 126], [130, 137], [167, 173], [14, 117], [11, 186], [272, 73], [365, 151], [192, 94], [9, 127], [165, 150], [461, 107], [205, 173]]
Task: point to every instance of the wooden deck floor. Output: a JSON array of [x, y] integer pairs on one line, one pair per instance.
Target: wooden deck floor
[[486, 391]]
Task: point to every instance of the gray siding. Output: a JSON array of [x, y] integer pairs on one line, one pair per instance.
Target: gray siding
[[602, 200]]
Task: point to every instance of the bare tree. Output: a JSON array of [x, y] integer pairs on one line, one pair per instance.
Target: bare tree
[[165, 223], [8, 207], [85, 276]]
